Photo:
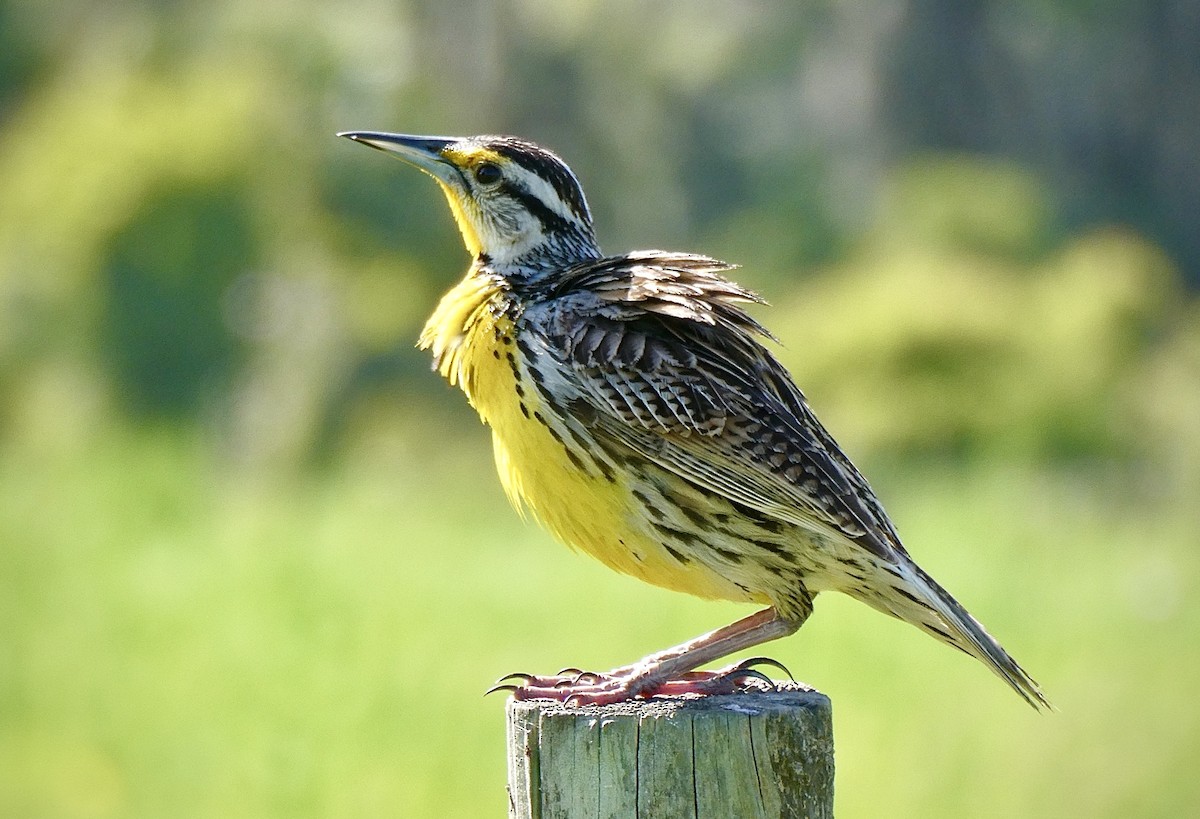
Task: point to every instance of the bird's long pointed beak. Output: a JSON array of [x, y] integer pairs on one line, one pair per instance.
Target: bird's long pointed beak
[[424, 152]]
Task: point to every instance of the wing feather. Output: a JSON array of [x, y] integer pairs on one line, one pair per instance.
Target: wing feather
[[671, 367]]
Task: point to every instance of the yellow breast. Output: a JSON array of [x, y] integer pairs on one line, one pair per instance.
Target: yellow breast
[[475, 346], [473, 341]]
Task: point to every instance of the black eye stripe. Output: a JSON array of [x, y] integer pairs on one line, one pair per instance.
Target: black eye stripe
[[551, 221], [543, 164]]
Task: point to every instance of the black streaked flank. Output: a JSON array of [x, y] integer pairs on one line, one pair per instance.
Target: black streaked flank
[[686, 538], [650, 506], [776, 549], [574, 459], [697, 518], [675, 553], [758, 518], [526, 349], [587, 446], [553, 432], [728, 555]]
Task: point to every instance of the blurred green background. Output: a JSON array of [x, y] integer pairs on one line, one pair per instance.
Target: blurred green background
[[253, 559]]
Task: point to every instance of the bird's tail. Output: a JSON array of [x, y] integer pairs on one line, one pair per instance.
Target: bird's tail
[[931, 608]]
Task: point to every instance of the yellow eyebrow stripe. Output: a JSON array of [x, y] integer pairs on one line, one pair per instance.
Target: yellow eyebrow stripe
[[474, 156]]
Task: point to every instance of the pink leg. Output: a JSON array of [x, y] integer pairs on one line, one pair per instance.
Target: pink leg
[[670, 671]]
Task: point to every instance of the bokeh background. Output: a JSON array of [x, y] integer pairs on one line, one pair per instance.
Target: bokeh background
[[253, 559]]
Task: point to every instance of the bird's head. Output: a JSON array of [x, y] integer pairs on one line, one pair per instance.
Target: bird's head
[[517, 205]]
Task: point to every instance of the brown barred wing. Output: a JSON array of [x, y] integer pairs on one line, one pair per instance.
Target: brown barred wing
[[668, 365], [645, 378], [615, 322]]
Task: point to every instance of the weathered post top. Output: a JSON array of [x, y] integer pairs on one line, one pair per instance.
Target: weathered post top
[[761, 754]]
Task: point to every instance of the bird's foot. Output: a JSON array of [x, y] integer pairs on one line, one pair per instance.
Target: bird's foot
[[575, 687]]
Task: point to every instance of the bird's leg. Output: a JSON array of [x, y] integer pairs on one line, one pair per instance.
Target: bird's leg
[[758, 628], [666, 672]]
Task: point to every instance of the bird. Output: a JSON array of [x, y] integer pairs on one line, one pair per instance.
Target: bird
[[637, 413]]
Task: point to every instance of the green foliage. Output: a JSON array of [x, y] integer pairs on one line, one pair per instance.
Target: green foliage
[[950, 330], [163, 326], [973, 203], [1160, 407]]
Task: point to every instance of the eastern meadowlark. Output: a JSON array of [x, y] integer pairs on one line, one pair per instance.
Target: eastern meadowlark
[[636, 413]]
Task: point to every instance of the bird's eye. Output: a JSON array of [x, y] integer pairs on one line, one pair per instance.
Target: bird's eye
[[487, 174]]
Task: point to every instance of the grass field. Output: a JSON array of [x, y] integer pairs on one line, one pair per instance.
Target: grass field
[[178, 639]]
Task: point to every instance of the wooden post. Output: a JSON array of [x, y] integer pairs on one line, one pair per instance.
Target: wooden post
[[740, 755]]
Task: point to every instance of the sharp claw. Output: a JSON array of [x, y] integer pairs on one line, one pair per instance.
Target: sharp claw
[[523, 677], [743, 673], [509, 688], [580, 677], [562, 672], [753, 661]]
